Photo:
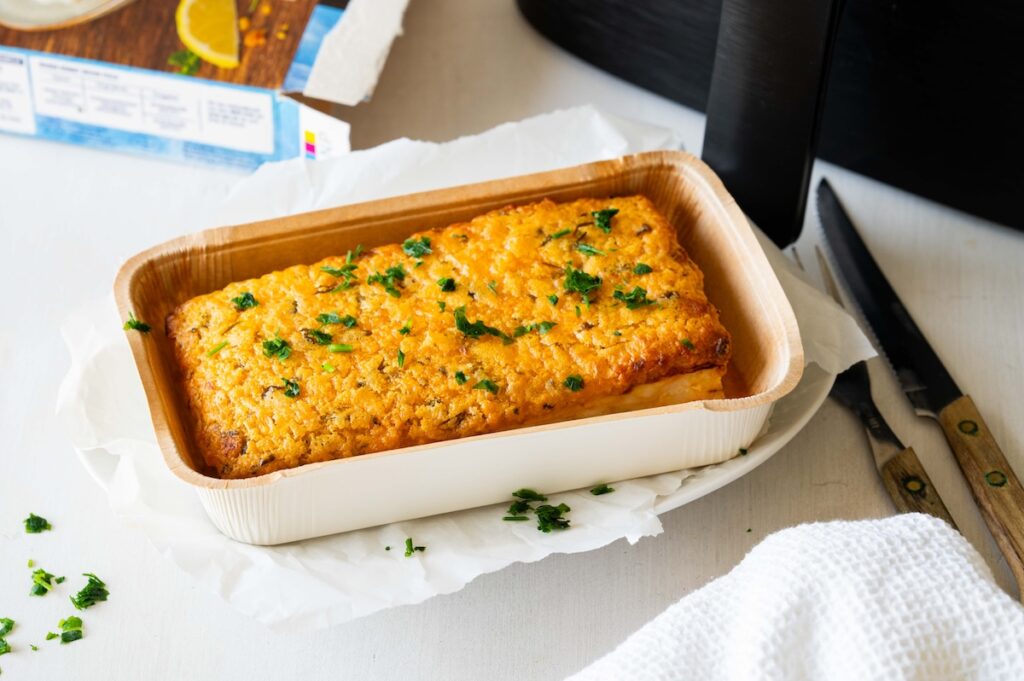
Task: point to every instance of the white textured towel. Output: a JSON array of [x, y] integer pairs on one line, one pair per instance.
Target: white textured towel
[[902, 598]]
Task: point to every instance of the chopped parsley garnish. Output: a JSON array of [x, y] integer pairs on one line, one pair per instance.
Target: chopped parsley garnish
[[277, 347], [92, 593], [5, 647], [389, 279], [50, 636], [544, 327], [70, 630], [441, 305], [217, 348], [406, 328], [515, 518], [578, 281], [325, 318], [552, 517], [553, 299], [417, 248], [244, 301], [6, 626], [560, 233], [523, 330], [642, 268], [603, 219], [601, 489], [587, 249], [488, 385], [410, 549], [327, 367], [477, 328], [134, 324], [346, 272], [291, 387], [688, 344], [340, 347], [447, 284], [578, 312], [616, 332], [460, 377], [519, 507], [634, 299], [42, 582], [573, 382], [35, 524], [316, 336], [493, 285], [527, 494], [401, 359], [186, 61], [541, 328]]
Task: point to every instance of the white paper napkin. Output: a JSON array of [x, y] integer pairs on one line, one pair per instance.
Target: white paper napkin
[[331, 580], [901, 598]]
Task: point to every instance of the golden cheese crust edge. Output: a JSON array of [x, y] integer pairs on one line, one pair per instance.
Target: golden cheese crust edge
[[412, 376]]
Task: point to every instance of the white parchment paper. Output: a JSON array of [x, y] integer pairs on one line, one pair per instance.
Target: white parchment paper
[[326, 581]]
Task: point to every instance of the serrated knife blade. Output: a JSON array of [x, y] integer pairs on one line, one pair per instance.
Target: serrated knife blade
[[927, 383]]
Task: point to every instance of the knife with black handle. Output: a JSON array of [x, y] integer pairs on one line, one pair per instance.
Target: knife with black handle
[[928, 385]]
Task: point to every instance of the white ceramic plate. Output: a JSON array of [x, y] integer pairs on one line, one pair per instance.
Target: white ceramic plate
[[41, 15]]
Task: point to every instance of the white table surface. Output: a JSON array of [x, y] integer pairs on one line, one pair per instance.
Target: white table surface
[[69, 216]]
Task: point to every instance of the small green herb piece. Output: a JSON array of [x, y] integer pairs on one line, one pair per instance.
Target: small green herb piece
[[186, 61], [401, 358], [5, 647], [493, 285], [688, 344], [42, 582], [544, 327], [334, 271], [519, 507], [217, 348], [523, 330], [587, 249], [244, 301], [410, 549], [558, 235], [552, 517], [50, 636], [553, 299], [603, 219], [6, 626], [515, 518], [527, 494], [291, 387], [316, 336], [477, 328], [33, 646], [134, 324], [488, 385], [441, 305], [601, 489], [35, 524], [70, 628], [387, 548], [578, 312], [447, 284], [417, 248], [460, 378], [389, 279], [31, 563], [340, 347], [346, 272], [326, 318], [634, 299], [641, 268], [743, 451], [406, 328], [327, 367], [616, 332], [92, 593], [573, 382], [277, 347], [578, 281]]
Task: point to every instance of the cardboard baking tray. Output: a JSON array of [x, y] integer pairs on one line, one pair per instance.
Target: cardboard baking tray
[[373, 489]]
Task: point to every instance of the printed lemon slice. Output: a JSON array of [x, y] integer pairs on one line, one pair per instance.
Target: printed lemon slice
[[210, 29]]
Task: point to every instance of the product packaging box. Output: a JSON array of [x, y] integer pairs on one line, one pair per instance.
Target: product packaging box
[[225, 82]]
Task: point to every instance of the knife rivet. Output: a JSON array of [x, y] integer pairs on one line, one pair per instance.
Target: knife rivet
[[968, 427], [914, 484], [995, 478]]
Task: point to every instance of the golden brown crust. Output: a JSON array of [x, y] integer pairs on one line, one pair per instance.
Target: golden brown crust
[[505, 266]]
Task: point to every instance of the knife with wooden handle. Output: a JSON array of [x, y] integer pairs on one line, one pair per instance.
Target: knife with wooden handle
[[928, 385]]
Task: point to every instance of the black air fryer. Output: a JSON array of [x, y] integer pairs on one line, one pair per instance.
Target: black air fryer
[[924, 95]]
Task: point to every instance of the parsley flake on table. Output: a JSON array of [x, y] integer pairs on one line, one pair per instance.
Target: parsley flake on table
[[134, 324], [634, 299], [603, 219], [488, 385], [244, 301], [5, 647], [601, 489], [410, 549], [552, 517], [186, 62], [389, 280], [417, 248], [35, 524], [291, 387], [527, 494], [42, 582], [6, 626], [573, 382], [277, 347], [587, 249], [446, 284], [642, 268], [92, 593], [70, 630], [477, 328], [316, 336]]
